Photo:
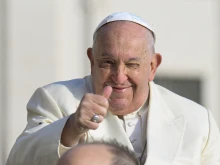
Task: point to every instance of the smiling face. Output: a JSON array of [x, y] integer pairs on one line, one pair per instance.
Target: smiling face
[[123, 58]]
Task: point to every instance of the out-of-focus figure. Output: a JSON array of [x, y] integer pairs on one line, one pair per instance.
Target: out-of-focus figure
[[97, 153]]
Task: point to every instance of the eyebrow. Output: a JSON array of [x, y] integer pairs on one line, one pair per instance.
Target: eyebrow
[[130, 59], [106, 55], [134, 59]]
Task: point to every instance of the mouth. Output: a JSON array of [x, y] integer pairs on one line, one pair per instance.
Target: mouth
[[119, 89]]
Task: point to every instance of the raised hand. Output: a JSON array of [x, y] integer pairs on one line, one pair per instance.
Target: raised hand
[[90, 105], [81, 120]]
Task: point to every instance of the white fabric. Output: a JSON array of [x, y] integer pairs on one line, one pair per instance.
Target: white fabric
[[179, 131], [124, 16], [135, 127]]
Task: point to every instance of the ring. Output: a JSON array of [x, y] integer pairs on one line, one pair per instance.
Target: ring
[[95, 118]]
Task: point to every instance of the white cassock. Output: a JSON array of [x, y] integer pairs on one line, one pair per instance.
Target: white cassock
[[177, 130]]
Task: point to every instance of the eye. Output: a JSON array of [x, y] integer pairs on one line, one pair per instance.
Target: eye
[[133, 65], [106, 63]]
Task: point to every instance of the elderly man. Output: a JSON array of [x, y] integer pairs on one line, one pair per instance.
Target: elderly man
[[119, 100], [110, 153]]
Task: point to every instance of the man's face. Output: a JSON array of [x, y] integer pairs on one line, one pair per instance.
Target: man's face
[[122, 58]]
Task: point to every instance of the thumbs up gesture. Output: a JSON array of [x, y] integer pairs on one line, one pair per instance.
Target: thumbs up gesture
[[90, 105], [91, 111]]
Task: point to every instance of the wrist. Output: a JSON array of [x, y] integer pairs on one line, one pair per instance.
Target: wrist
[[71, 133]]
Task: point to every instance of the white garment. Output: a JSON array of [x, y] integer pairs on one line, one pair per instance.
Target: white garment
[[179, 131], [135, 127]]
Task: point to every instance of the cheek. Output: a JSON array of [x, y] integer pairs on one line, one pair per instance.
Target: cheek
[[100, 75], [104, 73], [140, 78]]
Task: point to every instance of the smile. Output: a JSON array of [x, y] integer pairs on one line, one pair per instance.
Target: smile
[[119, 89]]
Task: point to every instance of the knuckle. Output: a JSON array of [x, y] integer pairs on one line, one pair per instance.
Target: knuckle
[[79, 112], [91, 125], [101, 119], [80, 120], [83, 104], [103, 101], [87, 96], [103, 111]]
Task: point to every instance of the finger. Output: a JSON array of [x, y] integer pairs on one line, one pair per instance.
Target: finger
[[90, 125], [88, 99], [107, 91], [82, 139], [91, 108], [86, 114]]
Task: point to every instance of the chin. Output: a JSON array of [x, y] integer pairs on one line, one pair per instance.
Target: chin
[[119, 113], [119, 110]]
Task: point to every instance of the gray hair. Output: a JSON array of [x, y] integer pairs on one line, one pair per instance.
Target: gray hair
[[121, 154]]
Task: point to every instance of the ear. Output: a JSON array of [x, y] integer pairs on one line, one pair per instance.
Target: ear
[[90, 56], [155, 62]]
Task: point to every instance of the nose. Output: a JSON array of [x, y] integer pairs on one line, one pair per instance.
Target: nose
[[119, 75]]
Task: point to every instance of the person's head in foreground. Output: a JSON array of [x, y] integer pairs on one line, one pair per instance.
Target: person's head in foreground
[[98, 153]]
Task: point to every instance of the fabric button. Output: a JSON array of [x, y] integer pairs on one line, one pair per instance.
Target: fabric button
[[130, 124], [133, 140]]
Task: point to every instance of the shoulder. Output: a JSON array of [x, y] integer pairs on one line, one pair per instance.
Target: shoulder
[[60, 96], [200, 126], [179, 104], [75, 87], [196, 116]]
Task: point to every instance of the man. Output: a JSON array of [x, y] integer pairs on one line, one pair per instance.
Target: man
[[119, 100], [97, 153]]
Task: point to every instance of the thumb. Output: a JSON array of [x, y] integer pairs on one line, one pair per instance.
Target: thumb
[[107, 91]]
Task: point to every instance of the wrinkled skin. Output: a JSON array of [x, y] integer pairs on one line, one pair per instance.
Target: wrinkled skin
[[123, 58], [123, 63]]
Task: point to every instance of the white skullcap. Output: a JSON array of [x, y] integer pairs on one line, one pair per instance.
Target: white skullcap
[[124, 16]]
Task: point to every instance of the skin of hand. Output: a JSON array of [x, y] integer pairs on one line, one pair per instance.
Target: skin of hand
[[80, 121]]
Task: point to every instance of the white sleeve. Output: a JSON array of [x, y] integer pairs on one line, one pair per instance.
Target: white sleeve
[[40, 141]]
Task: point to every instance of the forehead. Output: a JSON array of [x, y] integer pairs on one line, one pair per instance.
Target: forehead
[[122, 37]]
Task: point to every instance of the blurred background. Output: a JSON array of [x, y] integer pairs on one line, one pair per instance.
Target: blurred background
[[46, 40]]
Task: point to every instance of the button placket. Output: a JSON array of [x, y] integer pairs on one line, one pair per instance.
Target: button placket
[[130, 124], [133, 140]]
